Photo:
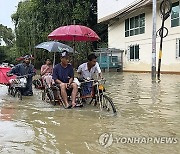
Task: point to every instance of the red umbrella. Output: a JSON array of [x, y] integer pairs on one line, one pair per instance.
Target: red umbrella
[[22, 58], [74, 33]]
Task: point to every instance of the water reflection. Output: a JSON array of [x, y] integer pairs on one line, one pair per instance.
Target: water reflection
[[144, 109], [6, 113]]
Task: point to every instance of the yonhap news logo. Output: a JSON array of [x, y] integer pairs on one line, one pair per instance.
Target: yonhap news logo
[[107, 139]]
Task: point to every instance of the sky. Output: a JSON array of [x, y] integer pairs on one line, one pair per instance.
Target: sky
[[7, 8], [107, 7]]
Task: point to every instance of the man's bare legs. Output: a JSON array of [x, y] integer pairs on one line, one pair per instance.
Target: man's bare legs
[[63, 87], [74, 93]]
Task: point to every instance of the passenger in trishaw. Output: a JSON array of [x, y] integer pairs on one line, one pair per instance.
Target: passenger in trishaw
[[63, 76], [46, 73]]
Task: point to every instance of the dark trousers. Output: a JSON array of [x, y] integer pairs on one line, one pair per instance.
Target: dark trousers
[[28, 90], [87, 88]]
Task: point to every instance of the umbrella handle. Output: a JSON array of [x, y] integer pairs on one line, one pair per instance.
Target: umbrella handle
[[54, 59]]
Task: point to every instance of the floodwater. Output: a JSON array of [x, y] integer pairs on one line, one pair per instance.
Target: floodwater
[[147, 113]]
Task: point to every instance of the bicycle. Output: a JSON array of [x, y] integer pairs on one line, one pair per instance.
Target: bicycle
[[53, 94], [48, 94], [16, 86], [98, 95]]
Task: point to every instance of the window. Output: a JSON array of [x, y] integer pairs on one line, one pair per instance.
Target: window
[[134, 52], [135, 25], [175, 15], [178, 48]]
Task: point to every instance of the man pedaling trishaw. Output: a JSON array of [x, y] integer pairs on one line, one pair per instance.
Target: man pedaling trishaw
[[24, 70]]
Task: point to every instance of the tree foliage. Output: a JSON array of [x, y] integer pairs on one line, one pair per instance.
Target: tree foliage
[[35, 19], [7, 37]]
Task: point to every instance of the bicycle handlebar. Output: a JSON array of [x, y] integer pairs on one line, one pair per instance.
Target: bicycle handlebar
[[22, 76], [18, 77], [92, 80]]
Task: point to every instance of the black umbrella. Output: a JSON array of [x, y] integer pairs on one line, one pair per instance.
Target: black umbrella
[[53, 46]]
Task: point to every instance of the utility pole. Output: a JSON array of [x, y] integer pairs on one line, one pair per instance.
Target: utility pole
[[153, 70]]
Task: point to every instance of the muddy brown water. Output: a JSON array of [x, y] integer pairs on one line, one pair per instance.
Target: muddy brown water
[[145, 110]]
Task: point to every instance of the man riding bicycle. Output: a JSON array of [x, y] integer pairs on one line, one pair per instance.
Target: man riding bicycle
[[87, 71], [27, 70]]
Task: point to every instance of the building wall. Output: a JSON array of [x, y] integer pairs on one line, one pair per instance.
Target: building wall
[[117, 39]]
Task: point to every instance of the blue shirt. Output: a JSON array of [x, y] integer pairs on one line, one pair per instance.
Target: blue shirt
[[63, 74], [23, 69]]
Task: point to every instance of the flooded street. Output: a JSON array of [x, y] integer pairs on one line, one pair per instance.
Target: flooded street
[[144, 110]]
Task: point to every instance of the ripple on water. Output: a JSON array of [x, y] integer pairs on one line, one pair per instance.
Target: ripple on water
[[15, 136], [143, 109]]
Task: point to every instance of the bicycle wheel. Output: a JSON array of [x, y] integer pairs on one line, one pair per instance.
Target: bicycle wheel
[[79, 100], [50, 95], [58, 97], [19, 95], [107, 104], [13, 92], [43, 95], [9, 90], [61, 101]]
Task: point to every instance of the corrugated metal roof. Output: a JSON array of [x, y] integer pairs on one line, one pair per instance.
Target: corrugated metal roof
[[108, 50], [133, 6]]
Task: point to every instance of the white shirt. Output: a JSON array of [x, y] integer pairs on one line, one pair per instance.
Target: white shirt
[[85, 73]]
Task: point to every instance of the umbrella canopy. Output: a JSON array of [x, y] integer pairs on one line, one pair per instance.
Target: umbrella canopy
[[53, 46], [74, 33]]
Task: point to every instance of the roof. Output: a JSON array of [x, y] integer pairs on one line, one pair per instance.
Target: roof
[[108, 50], [128, 9]]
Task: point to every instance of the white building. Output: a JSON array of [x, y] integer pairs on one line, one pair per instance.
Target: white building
[[130, 28]]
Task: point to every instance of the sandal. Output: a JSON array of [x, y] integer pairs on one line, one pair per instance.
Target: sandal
[[68, 107], [77, 105]]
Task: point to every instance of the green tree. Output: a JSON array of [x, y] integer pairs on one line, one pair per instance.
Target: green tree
[[35, 19], [8, 37]]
